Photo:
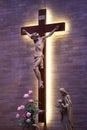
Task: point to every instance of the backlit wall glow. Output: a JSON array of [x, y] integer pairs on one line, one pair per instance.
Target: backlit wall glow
[[49, 63]]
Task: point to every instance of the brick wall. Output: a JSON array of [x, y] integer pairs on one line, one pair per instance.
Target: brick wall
[[69, 58]]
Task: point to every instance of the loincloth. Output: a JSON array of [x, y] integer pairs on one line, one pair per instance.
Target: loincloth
[[36, 59]]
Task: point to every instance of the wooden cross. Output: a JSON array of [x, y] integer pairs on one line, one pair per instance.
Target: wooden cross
[[43, 28]]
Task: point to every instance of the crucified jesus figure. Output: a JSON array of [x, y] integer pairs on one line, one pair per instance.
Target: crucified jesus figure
[[38, 56]]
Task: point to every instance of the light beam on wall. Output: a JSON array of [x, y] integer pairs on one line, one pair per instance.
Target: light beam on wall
[[49, 60]]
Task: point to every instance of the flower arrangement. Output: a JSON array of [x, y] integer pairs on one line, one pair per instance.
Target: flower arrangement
[[26, 115]]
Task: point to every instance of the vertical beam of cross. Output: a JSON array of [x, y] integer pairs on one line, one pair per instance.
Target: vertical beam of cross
[[42, 91], [42, 28]]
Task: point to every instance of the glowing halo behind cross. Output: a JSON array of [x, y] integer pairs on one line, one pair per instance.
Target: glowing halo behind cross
[[49, 62]]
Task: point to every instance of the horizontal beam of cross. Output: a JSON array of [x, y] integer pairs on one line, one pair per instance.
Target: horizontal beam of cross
[[44, 28]]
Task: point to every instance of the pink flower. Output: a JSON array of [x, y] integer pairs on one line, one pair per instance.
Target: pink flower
[[23, 115], [28, 120], [40, 111], [26, 95], [22, 107], [17, 115], [19, 108], [28, 114], [30, 91], [31, 100]]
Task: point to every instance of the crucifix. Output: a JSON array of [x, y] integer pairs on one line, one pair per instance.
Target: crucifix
[[43, 28]]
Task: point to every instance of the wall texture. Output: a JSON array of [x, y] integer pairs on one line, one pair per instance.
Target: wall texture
[[69, 59]]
